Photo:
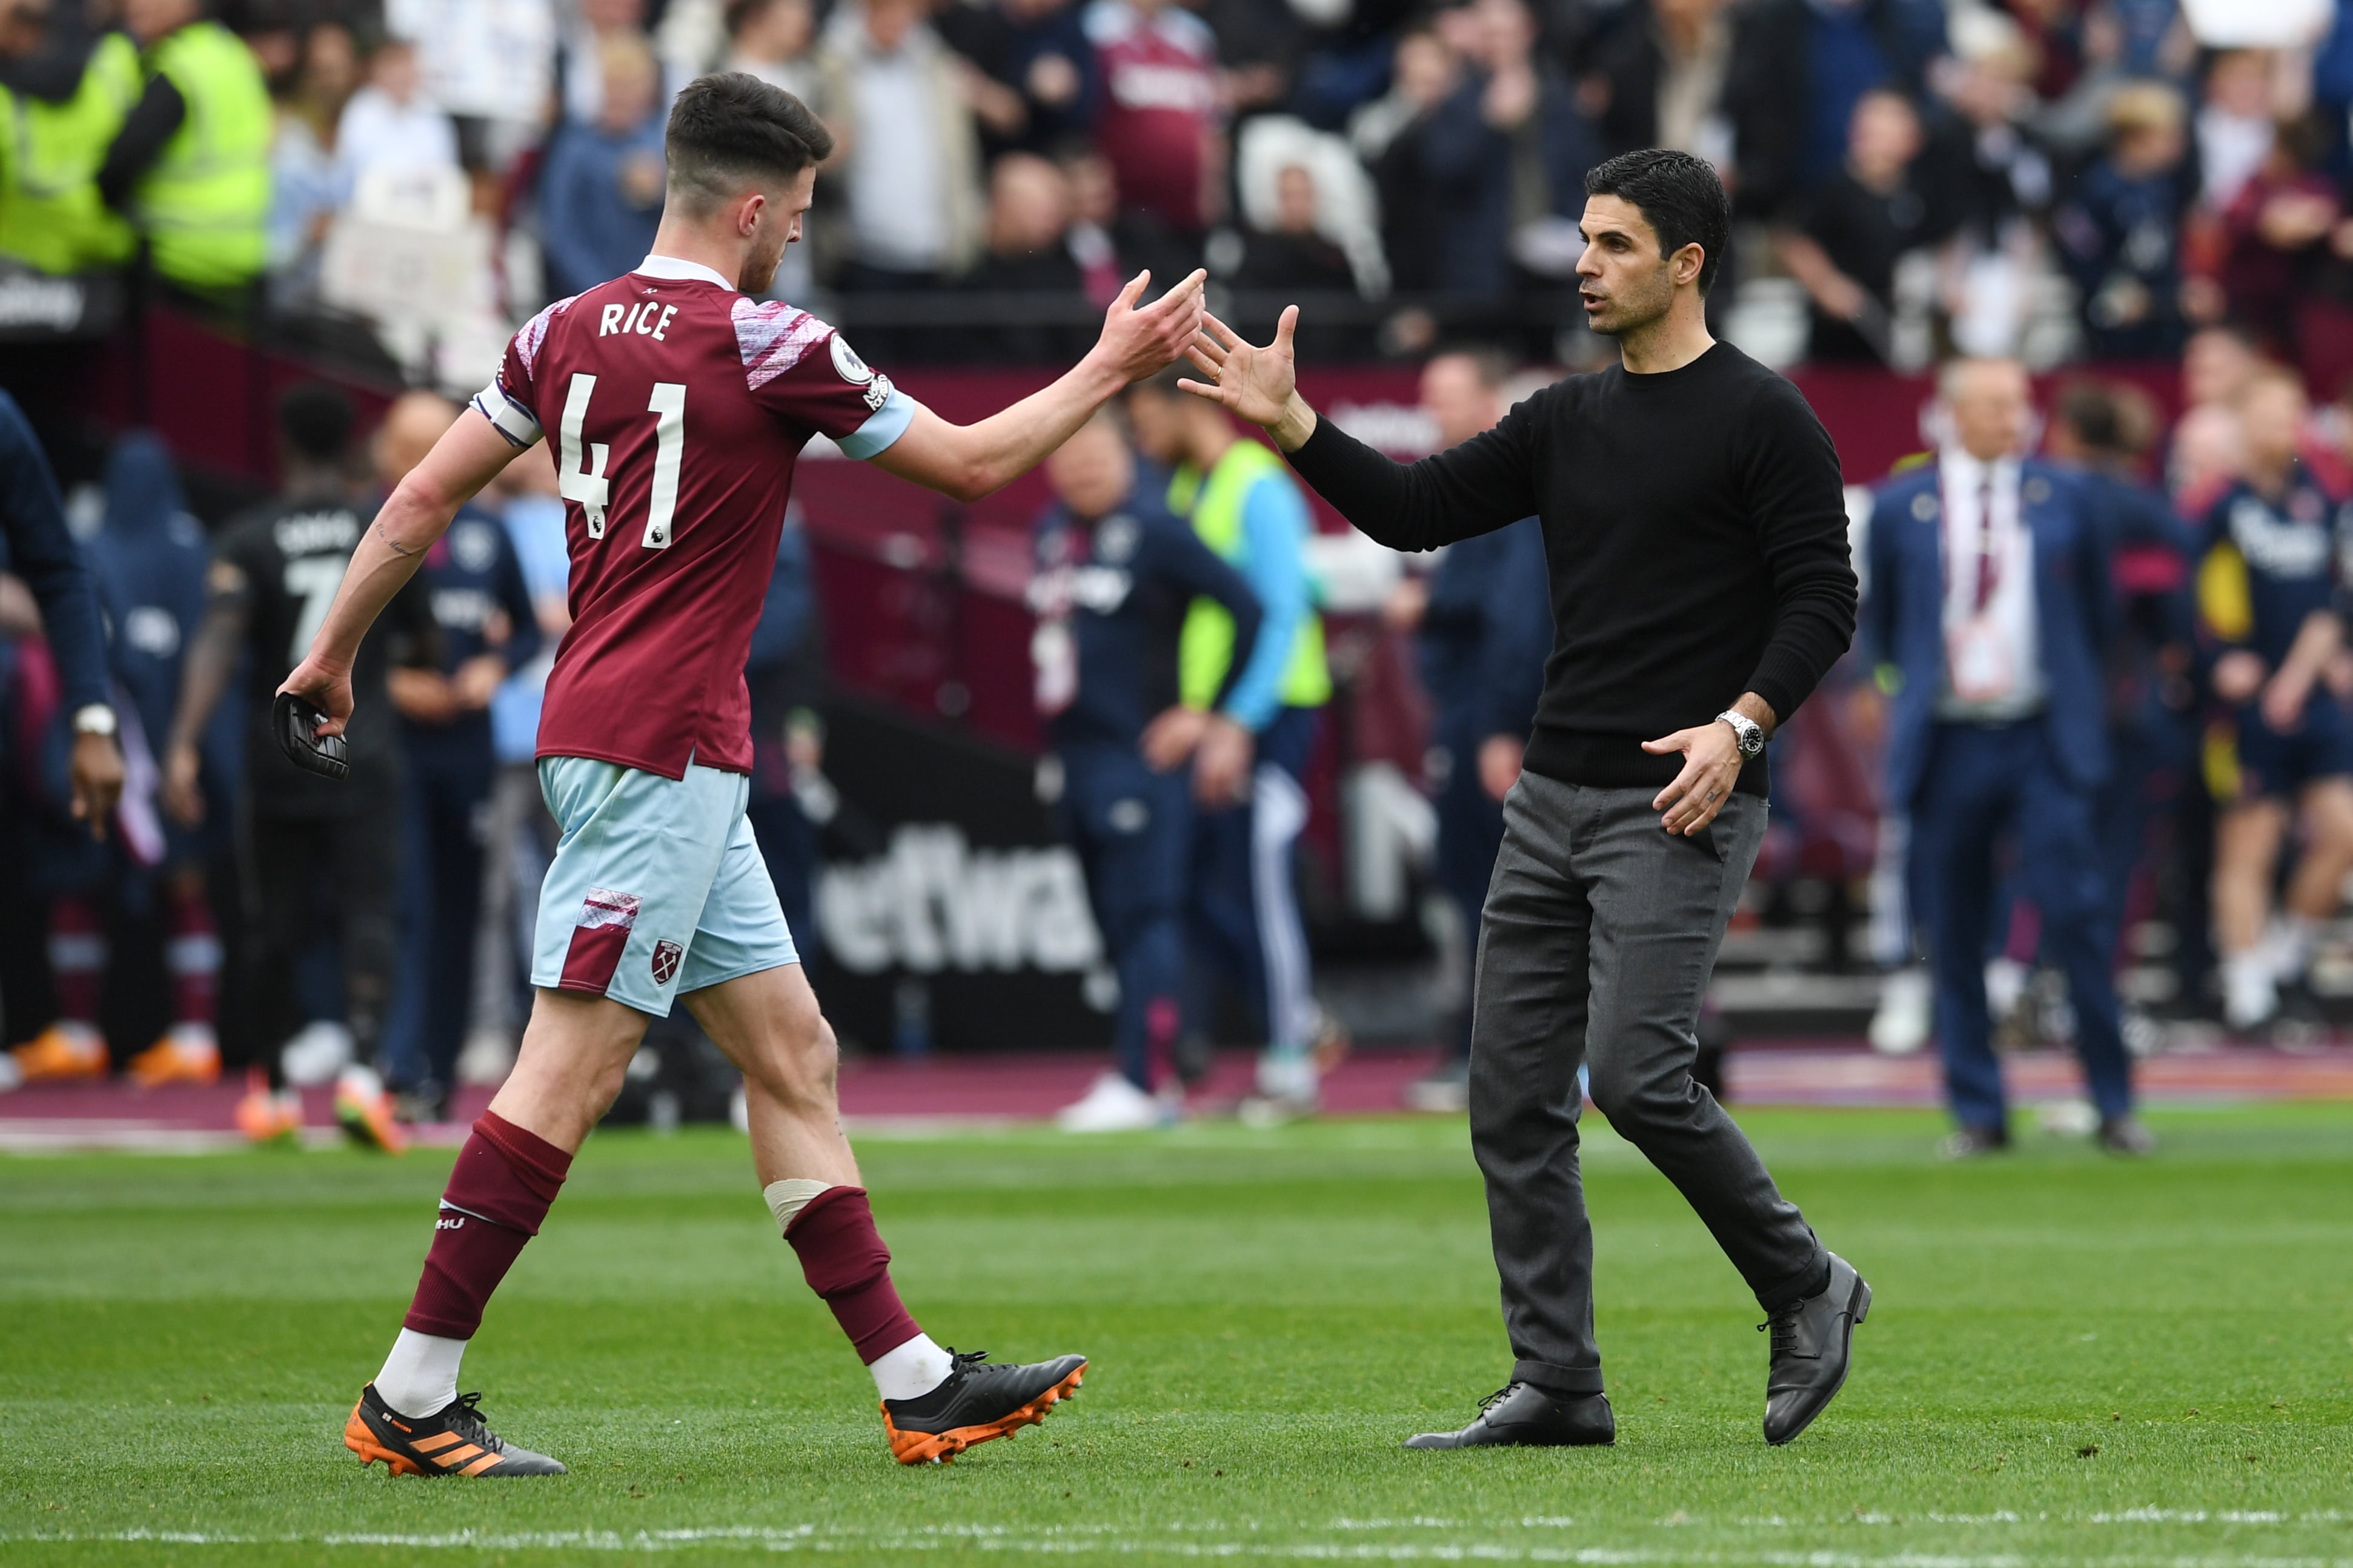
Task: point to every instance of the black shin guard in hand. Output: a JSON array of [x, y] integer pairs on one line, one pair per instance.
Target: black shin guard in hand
[[297, 726]]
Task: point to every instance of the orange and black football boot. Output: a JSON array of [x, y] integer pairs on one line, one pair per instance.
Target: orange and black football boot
[[364, 1106], [977, 1403], [62, 1053], [453, 1442]]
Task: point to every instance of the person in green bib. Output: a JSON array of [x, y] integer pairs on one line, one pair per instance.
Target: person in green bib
[[65, 90], [1250, 757], [190, 167]]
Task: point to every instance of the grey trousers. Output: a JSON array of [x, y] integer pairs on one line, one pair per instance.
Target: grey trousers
[[1600, 935]]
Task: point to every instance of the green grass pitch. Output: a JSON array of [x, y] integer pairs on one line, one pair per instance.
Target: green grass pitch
[[2070, 1360]]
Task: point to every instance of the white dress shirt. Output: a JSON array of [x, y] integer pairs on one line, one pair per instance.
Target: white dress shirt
[[1993, 652]]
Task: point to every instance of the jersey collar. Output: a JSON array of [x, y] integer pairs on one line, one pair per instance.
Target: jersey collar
[[671, 266]]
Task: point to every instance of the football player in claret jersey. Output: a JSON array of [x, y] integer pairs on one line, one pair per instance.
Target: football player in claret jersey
[[677, 406]]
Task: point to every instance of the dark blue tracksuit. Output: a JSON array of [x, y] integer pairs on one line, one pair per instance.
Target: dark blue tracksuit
[[36, 545], [148, 562], [1484, 639], [786, 673], [1109, 597], [473, 580]]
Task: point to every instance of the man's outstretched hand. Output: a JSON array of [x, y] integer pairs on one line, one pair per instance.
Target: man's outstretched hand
[[1138, 341], [1260, 384]]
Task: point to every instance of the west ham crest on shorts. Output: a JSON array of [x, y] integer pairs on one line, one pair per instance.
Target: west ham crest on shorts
[[666, 956]]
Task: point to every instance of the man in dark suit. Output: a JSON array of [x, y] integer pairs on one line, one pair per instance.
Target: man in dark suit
[[1990, 598]]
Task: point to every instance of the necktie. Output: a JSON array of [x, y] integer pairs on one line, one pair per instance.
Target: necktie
[[1988, 563]]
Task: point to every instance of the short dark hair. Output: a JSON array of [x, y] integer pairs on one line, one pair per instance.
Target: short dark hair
[[1678, 195], [728, 129], [315, 421], [2090, 409]]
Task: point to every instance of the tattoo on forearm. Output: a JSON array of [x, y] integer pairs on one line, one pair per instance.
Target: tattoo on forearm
[[397, 548]]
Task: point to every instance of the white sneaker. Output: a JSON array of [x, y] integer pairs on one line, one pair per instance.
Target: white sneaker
[[488, 1057], [1289, 1087], [1905, 1014], [2250, 996], [316, 1055], [1113, 1105], [2005, 983]]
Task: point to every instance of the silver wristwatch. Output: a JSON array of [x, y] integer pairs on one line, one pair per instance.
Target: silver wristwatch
[[94, 719], [1751, 733]]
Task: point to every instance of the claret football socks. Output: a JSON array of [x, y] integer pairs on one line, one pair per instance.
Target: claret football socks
[[977, 1402]]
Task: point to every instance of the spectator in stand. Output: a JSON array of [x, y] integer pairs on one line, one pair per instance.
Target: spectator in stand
[[1158, 119], [2269, 624], [579, 62], [489, 627], [600, 196], [390, 124], [1386, 133], [191, 165], [307, 186], [66, 88], [1029, 254], [2275, 235], [1989, 594], [2236, 124], [1292, 257], [1098, 241], [1482, 625], [1848, 235], [1676, 73], [909, 216], [1991, 178], [1039, 89], [2120, 233], [1805, 69], [1504, 160], [770, 39]]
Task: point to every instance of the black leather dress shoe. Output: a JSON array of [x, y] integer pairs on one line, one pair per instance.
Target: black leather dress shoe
[[1812, 1339], [1521, 1414]]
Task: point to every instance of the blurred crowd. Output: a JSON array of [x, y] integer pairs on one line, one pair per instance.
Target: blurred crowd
[[2140, 599], [2095, 721], [2052, 178]]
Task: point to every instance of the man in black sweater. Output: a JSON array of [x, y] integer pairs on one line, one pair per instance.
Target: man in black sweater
[[1696, 537]]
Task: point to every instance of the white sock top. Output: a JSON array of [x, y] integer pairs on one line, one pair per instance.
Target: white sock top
[[916, 1368], [420, 1376]]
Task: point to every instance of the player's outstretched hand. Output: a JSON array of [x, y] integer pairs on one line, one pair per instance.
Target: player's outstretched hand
[[328, 691], [1144, 341], [1253, 383]]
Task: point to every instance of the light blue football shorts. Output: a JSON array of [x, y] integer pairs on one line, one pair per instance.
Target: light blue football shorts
[[658, 885]]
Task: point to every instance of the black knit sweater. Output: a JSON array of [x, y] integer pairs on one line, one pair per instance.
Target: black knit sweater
[[1696, 534]]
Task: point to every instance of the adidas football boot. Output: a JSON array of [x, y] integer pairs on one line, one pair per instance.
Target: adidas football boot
[[977, 1402], [452, 1442]]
